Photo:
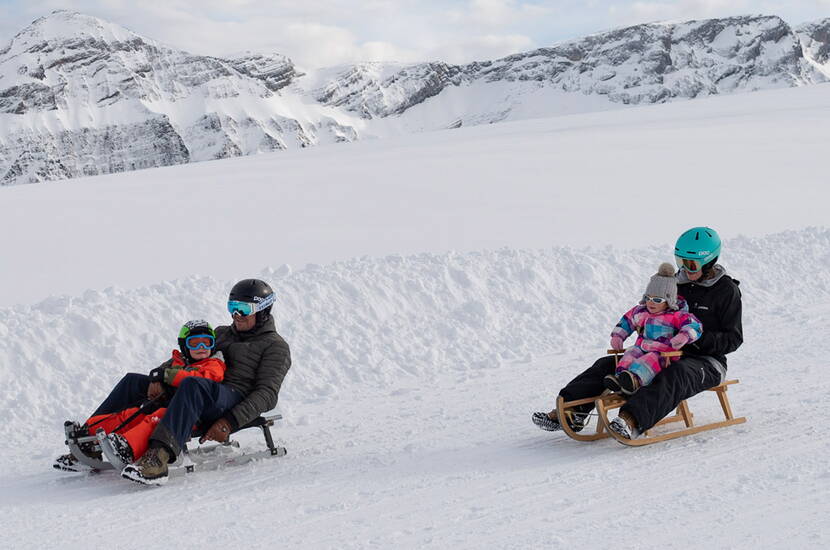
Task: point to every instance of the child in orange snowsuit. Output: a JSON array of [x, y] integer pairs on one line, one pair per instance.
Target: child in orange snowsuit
[[129, 430]]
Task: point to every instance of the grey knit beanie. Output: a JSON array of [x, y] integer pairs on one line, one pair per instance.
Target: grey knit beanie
[[664, 284]]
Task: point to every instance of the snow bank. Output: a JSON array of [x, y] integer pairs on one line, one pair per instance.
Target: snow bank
[[376, 321]]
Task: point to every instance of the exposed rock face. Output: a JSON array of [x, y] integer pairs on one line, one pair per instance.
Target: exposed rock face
[[275, 71], [32, 158], [815, 39], [81, 96], [381, 90]]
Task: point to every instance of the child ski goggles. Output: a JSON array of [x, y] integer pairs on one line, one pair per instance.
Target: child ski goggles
[[236, 307], [199, 341], [653, 299], [692, 266]]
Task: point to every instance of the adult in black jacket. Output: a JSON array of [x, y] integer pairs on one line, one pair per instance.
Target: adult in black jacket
[[715, 299], [257, 361]]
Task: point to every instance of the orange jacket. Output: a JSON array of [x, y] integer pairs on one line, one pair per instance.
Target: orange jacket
[[211, 368]]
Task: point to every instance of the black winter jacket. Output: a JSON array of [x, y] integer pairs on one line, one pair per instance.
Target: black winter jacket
[[257, 364], [719, 309]]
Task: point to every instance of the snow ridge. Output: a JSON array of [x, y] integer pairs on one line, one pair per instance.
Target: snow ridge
[[374, 322]]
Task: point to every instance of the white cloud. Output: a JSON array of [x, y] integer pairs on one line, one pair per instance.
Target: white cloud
[[640, 12], [481, 48], [326, 32]]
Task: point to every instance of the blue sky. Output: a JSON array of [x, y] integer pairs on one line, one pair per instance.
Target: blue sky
[[328, 32]]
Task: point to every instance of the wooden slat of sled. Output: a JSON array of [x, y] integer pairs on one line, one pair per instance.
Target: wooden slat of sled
[[606, 402]]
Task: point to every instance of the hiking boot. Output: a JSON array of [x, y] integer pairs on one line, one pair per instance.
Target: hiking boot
[[629, 382], [625, 426], [121, 447], [611, 382], [150, 469], [576, 422]]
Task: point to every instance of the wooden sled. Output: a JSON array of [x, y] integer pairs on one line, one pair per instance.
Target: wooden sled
[[609, 401]]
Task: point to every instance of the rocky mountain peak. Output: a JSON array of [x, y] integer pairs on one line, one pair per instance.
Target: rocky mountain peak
[[66, 27]]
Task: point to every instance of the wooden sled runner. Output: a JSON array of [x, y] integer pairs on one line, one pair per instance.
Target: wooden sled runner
[[609, 401]]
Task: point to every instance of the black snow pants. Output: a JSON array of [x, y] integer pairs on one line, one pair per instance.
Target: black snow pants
[[129, 392], [681, 380]]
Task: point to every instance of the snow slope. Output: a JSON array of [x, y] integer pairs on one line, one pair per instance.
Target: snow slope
[[407, 410], [416, 367]]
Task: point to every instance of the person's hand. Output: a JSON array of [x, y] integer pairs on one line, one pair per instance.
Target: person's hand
[[679, 340], [154, 390], [616, 342], [220, 431]]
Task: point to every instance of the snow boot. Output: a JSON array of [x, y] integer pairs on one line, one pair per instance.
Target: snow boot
[[121, 447], [150, 469], [68, 462], [625, 426], [611, 382], [575, 421], [629, 382]]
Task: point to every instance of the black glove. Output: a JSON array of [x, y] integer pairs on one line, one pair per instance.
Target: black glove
[[157, 374]]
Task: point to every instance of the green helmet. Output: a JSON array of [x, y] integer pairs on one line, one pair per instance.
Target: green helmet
[[194, 329], [697, 248]]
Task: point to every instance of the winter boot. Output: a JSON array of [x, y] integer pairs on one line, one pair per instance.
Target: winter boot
[[629, 382], [150, 469], [121, 447], [68, 462], [575, 421], [625, 426], [611, 382]]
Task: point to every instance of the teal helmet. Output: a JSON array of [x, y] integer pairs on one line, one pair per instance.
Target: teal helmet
[[697, 248]]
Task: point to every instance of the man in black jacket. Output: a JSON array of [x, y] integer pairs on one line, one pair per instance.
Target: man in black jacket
[[257, 361], [715, 299]]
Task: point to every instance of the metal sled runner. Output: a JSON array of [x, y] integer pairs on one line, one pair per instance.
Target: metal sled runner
[[206, 457], [609, 401]]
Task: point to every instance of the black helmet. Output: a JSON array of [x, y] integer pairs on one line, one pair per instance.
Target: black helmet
[[257, 292]]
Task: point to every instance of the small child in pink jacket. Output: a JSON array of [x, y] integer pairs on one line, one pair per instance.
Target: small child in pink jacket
[[663, 322]]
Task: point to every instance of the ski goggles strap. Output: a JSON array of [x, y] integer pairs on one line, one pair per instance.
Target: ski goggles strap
[[236, 307], [199, 341], [692, 266]]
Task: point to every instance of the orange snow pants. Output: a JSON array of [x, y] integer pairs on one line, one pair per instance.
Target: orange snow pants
[[137, 432]]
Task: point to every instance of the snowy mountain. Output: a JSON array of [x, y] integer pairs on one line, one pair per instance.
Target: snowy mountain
[[81, 96], [648, 63]]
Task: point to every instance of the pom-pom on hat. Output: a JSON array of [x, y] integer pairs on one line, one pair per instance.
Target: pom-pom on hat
[[664, 284]]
